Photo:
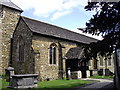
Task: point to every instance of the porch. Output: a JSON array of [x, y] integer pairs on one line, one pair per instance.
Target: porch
[[76, 65]]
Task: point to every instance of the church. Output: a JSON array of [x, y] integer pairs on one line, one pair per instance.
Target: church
[[34, 47]]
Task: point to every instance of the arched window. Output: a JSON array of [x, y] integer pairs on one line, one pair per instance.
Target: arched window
[[20, 49], [52, 53]]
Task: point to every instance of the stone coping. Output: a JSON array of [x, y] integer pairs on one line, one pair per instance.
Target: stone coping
[[25, 75]]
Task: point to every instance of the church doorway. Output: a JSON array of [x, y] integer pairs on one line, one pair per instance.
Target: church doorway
[[76, 65]]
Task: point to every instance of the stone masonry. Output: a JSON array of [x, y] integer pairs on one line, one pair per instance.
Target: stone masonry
[[0, 38], [8, 22], [27, 65], [42, 66], [104, 65]]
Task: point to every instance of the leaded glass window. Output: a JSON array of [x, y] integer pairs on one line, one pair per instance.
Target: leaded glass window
[[52, 54]]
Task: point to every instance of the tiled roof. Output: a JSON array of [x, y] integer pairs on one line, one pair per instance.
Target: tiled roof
[[75, 53], [8, 3], [55, 31]]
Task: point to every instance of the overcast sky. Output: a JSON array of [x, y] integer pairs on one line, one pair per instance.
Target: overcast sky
[[69, 14]]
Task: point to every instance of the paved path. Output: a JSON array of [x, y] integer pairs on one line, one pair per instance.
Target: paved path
[[103, 84]]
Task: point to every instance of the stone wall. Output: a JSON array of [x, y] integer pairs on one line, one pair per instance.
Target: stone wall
[[41, 44], [26, 66], [101, 68], [109, 68], [9, 21], [0, 39]]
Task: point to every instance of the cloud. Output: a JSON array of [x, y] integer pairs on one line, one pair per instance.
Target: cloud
[[59, 14], [50, 8]]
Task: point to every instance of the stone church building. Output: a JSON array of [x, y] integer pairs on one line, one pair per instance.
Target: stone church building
[[32, 46]]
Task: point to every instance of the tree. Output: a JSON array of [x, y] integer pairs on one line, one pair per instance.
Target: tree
[[105, 22]]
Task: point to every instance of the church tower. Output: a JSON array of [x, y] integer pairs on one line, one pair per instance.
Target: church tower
[[9, 16]]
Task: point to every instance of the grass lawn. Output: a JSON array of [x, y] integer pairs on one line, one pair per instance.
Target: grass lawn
[[61, 84], [4, 84], [102, 77]]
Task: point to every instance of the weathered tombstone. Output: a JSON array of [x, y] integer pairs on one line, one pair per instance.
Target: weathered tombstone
[[8, 73], [69, 74]]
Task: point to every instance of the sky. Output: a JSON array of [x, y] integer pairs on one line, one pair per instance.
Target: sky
[[69, 14]]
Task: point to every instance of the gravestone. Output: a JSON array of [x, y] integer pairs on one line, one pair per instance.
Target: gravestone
[[69, 74], [8, 73]]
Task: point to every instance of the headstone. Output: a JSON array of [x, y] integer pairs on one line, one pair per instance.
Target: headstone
[[8, 73], [69, 74]]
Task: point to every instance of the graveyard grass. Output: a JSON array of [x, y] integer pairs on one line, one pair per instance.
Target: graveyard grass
[[4, 84], [56, 84]]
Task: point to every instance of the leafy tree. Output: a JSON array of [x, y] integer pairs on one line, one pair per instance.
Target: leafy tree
[[105, 22]]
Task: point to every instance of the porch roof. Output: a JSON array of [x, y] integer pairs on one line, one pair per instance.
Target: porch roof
[[75, 53]]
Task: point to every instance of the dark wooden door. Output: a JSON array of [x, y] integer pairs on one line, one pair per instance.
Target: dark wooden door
[[72, 65], [84, 74]]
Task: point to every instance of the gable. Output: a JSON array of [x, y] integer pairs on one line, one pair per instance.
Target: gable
[[75, 53], [22, 30]]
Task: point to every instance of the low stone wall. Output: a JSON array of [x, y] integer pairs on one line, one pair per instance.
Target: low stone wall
[[76, 75], [95, 72], [88, 73]]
